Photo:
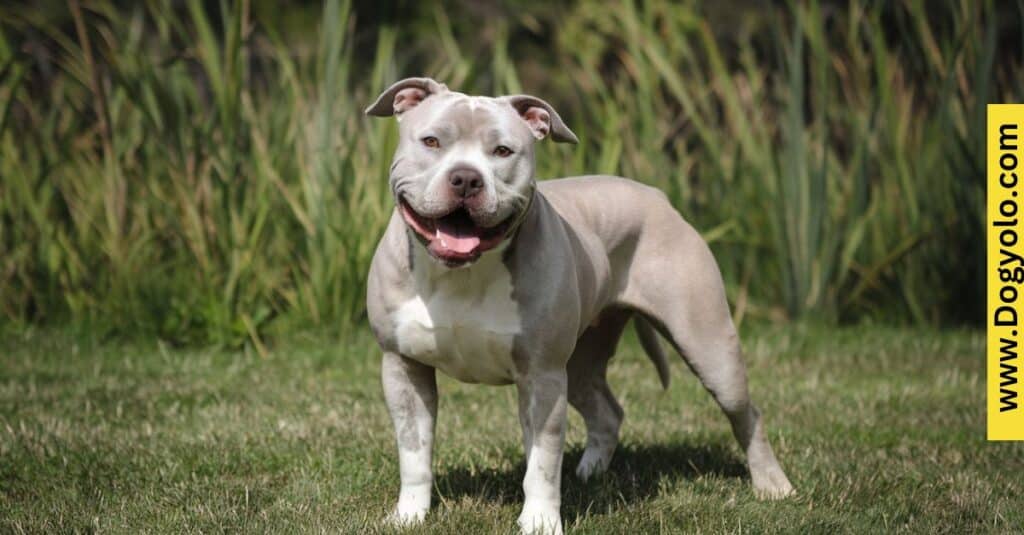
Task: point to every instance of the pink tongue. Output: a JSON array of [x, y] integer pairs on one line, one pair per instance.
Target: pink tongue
[[456, 237]]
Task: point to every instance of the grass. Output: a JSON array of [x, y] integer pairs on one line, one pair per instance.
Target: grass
[[205, 174], [880, 429]]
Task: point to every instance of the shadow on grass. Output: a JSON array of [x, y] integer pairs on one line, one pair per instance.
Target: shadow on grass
[[635, 475]]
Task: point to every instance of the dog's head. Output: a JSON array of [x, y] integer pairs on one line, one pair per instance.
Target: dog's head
[[463, 173]]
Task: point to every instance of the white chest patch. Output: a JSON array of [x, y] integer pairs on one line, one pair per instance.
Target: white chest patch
[[462, 321]]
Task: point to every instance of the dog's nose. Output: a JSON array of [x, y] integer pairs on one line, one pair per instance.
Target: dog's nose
[[465, 181]]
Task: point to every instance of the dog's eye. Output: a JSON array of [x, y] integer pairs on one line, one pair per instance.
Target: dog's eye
[[502, 151], [431, 142]]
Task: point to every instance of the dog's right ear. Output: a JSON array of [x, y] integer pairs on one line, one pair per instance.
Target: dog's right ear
[[404, 96]]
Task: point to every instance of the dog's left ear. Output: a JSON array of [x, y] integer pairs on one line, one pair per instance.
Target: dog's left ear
[[541, 118], [404, 95]]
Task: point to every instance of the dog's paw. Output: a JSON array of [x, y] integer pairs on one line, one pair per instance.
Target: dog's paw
[[771, 484], [412, 507], [405, 515], [592, 464], [540, 520]]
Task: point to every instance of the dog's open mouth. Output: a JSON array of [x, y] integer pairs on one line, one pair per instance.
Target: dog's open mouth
[[455, 238]]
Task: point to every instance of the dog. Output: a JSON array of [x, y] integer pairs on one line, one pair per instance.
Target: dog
[[491, 277]]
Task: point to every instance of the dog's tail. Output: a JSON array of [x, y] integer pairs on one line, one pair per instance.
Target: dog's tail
[[652, 346]]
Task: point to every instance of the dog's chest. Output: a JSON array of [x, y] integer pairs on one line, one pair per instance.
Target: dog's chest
[[463, 322]]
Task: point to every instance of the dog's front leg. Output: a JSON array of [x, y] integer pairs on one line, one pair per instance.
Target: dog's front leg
[[542, 412], [410, 390]]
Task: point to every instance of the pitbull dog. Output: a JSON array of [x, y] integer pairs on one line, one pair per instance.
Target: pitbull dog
[[493, 278]]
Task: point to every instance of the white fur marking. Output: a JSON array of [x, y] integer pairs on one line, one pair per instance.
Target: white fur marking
[[462, 321]]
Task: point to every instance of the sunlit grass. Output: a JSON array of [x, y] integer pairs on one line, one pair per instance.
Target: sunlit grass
[[881, 430]]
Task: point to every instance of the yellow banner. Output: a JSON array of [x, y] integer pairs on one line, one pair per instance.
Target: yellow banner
[[1005, 272]]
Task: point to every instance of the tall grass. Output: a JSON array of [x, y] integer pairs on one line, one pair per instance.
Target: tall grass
[[208, 176]]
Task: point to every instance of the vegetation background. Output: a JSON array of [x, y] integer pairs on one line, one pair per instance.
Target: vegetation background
[[202, 172]]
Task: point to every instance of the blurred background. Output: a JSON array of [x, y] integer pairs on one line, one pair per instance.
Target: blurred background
[[203, 172]]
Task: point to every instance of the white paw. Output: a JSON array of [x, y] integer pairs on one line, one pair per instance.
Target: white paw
[[406, 514], [413, 504], [771, 483], [593, 463], [538, 520]]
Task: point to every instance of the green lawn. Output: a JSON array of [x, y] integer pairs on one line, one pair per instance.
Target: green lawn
[[879, 429]]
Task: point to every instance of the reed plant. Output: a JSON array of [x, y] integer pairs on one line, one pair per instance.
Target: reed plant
[[208, 175]]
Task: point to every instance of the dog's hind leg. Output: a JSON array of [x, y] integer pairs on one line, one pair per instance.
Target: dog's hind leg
[[589, 392], [714, 355], [689, 307]]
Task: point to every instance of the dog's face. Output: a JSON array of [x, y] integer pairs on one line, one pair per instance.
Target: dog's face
[[463, 173]]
